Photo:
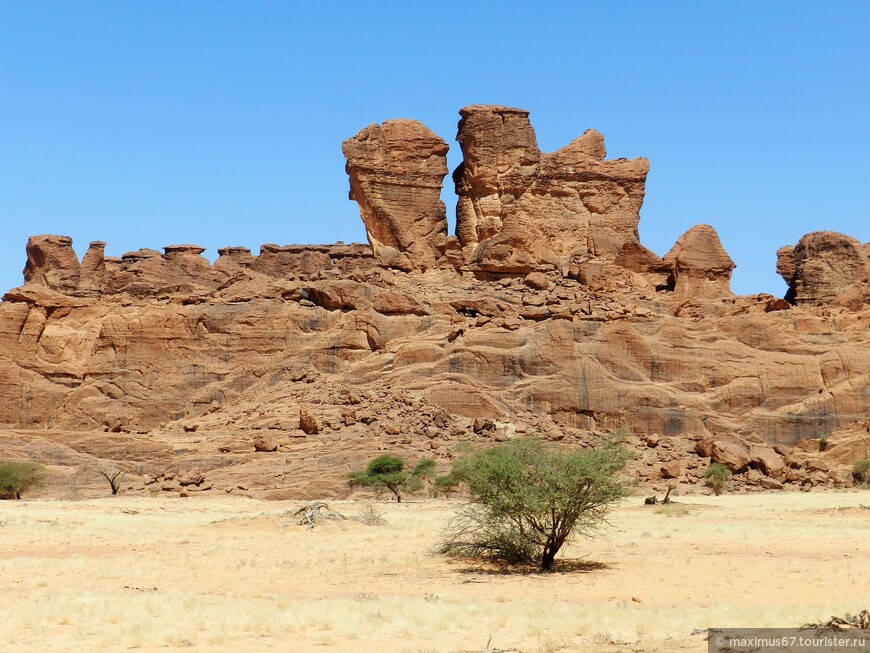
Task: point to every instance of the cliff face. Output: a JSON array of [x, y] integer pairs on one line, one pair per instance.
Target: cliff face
[[519, 207], [543, 314]]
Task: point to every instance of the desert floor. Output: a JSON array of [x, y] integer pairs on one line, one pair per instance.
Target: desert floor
[[157, 574]]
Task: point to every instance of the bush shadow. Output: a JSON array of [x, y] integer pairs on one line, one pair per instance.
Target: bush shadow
[[468, 566]]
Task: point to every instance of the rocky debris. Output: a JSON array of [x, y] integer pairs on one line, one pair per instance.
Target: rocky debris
[[519, 207], [192, 477], [826, 268], [308, 423], [265, 444], [766, 459], [396, 171], [672, 469], [700, 266], [537, 281]]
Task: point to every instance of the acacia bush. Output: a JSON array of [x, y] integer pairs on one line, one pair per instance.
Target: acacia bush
[[527, 499], [861, 472], [388, 472], [15, 477]]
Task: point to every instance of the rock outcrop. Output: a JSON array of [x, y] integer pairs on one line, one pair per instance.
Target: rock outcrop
[[51, 262], [519, 208], [826, 268], [396, 171], [544, 316], [700, 266]]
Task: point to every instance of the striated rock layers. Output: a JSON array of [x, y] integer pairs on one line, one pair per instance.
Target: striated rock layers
[[396, 170], [519, 207], [544, 315]]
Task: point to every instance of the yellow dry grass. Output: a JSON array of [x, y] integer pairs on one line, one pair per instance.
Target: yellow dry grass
[[153, 574]]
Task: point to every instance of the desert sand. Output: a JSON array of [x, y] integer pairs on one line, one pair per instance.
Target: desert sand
[[237, 574]]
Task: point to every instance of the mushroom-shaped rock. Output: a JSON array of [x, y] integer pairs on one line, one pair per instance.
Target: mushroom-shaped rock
[[826, 267], [52, 262], [396, 172], [519, 207], [700, 265]]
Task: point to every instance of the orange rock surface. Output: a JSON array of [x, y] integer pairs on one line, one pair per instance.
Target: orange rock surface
[[162, 357]]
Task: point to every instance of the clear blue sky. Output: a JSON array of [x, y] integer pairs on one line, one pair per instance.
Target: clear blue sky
[[220, 123]]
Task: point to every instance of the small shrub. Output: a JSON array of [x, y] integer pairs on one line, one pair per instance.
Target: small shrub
[[716, 477], [371, 515], [861, 472], [17, 477], [387, 471], [824, 439], [445, 484]]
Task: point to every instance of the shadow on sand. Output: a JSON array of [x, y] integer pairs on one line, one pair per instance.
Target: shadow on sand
[[495, 568]]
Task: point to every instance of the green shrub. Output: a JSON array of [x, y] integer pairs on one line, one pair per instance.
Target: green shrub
[[528, 499], [388, 471], [17, 477], [824, 439], [445, 484], [861, 472], [716, 477]]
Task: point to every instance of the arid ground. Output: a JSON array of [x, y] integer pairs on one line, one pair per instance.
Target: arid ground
[[154, 574]]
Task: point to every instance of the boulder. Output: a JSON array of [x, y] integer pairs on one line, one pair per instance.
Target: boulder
[[192, 477], [671, 469], [265, 443], [308, 423], [396, 171], [766, 459], [537, 281], [734, 455]]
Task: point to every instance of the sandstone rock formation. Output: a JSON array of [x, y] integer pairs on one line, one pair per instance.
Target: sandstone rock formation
[[396, 171], [700, 265], [52, 262], [826, 268], [519, 207], [553, 320]]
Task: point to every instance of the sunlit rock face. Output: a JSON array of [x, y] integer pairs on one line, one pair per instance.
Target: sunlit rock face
[[396, 172], [519, 207]]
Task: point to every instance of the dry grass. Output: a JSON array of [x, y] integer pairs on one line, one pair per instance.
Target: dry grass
[[238, 575]]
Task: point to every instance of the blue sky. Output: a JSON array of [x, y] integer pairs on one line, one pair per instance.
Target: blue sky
[[146, 124]]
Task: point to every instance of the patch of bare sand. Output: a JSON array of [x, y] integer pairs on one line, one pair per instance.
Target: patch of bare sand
[[147, 574]]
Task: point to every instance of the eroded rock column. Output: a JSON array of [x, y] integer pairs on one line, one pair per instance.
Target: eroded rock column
[[700, 265], [52, 262], [519, 208], [396, 172]]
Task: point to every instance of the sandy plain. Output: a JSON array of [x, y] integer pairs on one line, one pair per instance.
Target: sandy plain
[[236, 574]]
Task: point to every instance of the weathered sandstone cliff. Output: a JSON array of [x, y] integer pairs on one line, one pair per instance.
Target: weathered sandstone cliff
[[544, 314]]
